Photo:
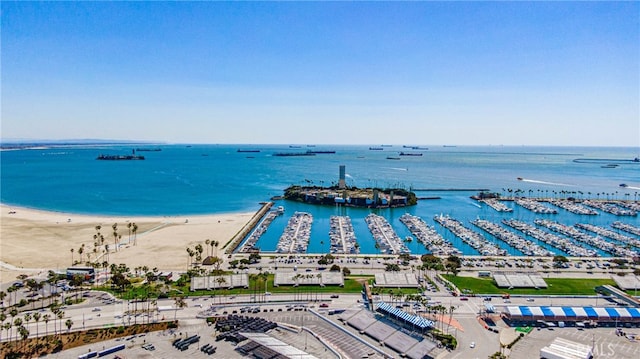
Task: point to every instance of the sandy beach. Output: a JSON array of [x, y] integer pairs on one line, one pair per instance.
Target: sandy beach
[[34, 241]]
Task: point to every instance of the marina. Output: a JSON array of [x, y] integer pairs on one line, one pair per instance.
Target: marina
[[428, 236], [558, 242], [525, 246], [535, 206], [223, 184], [474, 239], [626, 227], [342, 236], [497, 205], [295, 238], [250, 244], [586, 238], [573, 207], [609, 234], [610, 208], [387, 241]]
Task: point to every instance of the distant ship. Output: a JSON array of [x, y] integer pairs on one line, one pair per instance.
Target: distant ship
[[624, 185], [321, 152], [375, 148], [410, 154], [148, 149], [393, 158], [293, 154], [252, 151]]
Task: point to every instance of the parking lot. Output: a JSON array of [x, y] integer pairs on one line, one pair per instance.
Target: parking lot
[[605, 342]]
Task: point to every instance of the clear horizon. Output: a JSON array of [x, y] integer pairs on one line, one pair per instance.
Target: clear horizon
[[430, 73]]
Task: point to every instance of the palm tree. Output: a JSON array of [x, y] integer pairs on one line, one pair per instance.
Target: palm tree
[[17, 322], [199, 251], [69, 324], [80, 251], [3, 317], [7, 326], [46, 318], [60, 315], [179, 303], [9, 291], [115, 235], [220, 280], [27, 318], [215, 244], [129, 227], [71, 256], [134, 232], [13, 313], [207, 242], [36, 317], [24, 334], [451, 309], [191, 254]]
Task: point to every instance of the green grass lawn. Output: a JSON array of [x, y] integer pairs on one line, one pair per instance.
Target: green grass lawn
[[352, 284], [556, 286]]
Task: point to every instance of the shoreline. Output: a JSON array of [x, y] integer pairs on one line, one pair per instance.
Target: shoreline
[[5, 207], [33, 239]]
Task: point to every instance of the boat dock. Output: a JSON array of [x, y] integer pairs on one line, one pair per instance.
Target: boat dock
[[626, 227], [535, 206], [525, 246], [295, 238], [474, 239], [233, 244], [387, 239], [573, 207], [249, 245], [580, 236], [497, 205], [563, 244], [428, 236], [610, 208], [343, 238], [609, 234], [450, 189]]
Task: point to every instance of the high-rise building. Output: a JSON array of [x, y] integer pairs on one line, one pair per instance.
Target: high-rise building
[[341, 182]]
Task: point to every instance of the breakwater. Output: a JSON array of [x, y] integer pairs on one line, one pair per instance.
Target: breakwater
[[236, 240], [450, 189]]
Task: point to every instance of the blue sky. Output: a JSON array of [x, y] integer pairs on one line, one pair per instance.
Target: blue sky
[[512, 73]]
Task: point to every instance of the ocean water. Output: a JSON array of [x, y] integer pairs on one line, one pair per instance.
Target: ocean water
[[205, 179]]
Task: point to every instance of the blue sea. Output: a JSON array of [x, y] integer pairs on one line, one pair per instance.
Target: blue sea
[[209, 179]]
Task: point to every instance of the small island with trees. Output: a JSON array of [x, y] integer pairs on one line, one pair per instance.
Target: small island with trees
[[351, 196]]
